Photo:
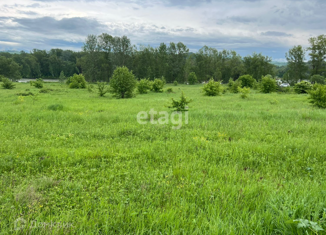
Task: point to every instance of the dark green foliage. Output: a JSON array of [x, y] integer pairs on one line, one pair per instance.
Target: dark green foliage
[[175, 83], [192, 78], [38, 83], [244, 92], [55, 107], [302, 87], [317, 79], [25, 94], [123, 83], [7, 84], [247, 81], [318, 95], [77, 81], [62, 77], [268, 84], [45, 90], [102, 88], [143, 86], [180, 105], [212, 88], [157, 85]]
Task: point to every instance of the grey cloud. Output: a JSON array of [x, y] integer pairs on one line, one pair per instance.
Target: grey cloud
[[276, 34], [49, 25], [28, 12]]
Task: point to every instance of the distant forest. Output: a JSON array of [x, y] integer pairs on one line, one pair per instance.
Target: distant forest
[[102, 54]]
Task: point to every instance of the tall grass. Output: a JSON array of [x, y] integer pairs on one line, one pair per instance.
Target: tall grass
[[239, 166]]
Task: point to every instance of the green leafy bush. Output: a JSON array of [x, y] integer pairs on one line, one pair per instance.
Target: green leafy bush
[[234, 85], [157, 85], [302, 87], [192, 78], [62, 77], [318, 79], [38, 83], [318, 95], [143, 86], [45, 90], [7, 84], [247, 81], [102, 88], [244, 92], [123, 83], [77, 81], [25, 94], [268, 84], [169, 90], [1, 77], [212, 88], [55, 107], [175, 83], [180, 105]]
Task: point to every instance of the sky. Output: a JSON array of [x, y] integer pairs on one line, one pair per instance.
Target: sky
[[270, 27]]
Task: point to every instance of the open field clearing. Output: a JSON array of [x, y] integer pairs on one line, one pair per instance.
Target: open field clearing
[[72, 162]]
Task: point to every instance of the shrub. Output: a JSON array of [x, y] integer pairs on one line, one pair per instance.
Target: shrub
[[45, 90], [180, 105], [90, 88], [169, 90], [77, 81], [318, 95], [55, 107], [25, 94], [102, 88], [302, 87], [244, 92], [247, 81], [157, 85], [212, 88], [38, 83], [1, 77], [62, 77], [175, 83], [7, 84], [268, 84], [192, 78], [317, 79], [123, 83], [143, 86], [234, 85]]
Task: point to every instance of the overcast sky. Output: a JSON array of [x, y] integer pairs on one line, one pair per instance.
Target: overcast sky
[[267, 26]]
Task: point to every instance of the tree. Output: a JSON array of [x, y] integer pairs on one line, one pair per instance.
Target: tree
[[317, 79], [192, 78], [318, 54], [62, 77], [9, 68], [268, 84], [123, 82], [7, 84], [258, 66], [296, 65]]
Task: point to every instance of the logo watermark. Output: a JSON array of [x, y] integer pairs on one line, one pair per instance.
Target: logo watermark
[[176, 118], [21, 223]]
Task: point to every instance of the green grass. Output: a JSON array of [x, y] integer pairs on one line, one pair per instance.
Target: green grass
[[239, 167]]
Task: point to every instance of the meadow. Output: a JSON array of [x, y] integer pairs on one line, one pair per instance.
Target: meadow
[[72, 162]]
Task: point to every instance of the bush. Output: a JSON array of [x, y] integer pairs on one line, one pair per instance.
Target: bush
[[192, 78], [212, 88], [175, 83], [123, 83], [302, 87], [157, 85], [169, 90], [247, 81], [102, 88], [38, 83], [7, 84], [77, 81], [180, 105], [244, 92], [45, 90], [55, 107], [62, 77], [234, 85], [1, 77], [318, 96], [143, 86], [268, 84], [25, 94], [317, 79]]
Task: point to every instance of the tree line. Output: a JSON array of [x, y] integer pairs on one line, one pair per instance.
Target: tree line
[[102, 54]]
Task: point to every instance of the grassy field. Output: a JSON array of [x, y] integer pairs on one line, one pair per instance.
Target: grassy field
[[239, 167]]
